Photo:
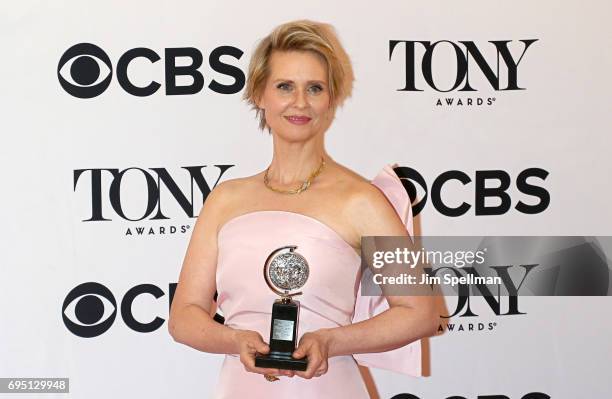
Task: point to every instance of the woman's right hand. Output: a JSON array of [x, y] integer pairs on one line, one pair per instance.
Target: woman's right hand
[[250, 343]]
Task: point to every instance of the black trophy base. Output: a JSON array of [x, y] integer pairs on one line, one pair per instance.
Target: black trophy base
[[281, 361]]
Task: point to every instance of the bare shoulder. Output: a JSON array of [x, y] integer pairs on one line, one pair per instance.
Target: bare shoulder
[[363, 196], [228, 189], [236, 189], [359, 190], [370, 210], [224, 199], [348, 176]]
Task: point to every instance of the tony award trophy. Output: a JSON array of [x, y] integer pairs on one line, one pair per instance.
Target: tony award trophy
[[284, 271]]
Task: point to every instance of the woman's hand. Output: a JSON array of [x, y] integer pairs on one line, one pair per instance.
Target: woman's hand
[[314, 345], [250, 343]]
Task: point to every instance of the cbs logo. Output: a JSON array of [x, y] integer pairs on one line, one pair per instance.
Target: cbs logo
[[416, 187], [85, 71], [90, 309]]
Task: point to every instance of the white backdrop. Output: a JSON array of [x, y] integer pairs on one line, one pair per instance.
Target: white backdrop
[[559, 123]]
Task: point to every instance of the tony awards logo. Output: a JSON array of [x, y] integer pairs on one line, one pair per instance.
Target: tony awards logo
[[284, 271]]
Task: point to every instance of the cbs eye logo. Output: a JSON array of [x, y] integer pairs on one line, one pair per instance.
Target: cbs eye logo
[[84, 70], [89, 310]]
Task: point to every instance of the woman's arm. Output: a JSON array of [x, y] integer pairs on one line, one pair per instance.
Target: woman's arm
[[190, 320], [408, 318]]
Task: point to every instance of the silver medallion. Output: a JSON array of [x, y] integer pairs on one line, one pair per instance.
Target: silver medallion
[[286, 270]]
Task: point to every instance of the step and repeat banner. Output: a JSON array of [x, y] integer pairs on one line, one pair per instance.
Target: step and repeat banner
[[119, 118]]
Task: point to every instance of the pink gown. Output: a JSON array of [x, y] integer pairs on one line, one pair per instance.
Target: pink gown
[[331, 297]]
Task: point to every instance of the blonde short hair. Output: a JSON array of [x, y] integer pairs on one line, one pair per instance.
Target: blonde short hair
[[302, 35]]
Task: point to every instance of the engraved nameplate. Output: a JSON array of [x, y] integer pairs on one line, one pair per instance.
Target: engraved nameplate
[[282, 329]]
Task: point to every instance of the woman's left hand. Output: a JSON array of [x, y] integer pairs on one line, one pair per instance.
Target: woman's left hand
[[314, 345]]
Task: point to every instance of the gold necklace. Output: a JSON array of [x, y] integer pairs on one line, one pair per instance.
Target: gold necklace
[[304, 185]]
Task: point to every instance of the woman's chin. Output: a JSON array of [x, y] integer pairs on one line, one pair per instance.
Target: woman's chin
[[295, 134]]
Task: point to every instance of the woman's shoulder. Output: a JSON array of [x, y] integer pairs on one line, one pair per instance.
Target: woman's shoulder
[[234, 188], [356, 187], [367, 206], [232, 196]]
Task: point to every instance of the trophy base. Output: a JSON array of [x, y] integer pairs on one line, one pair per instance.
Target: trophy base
[[281, 361]]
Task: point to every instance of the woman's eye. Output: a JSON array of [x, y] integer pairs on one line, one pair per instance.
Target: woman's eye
[[284, 86], [315, 89]]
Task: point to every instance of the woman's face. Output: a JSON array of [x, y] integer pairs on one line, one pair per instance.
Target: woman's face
[[296, 96]]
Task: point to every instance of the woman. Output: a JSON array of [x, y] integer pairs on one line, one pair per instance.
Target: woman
[[297, 78]]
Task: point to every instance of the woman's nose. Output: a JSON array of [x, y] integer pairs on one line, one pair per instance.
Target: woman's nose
[[300, 100]]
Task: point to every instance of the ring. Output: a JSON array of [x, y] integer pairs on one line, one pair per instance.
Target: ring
[[270, 378]]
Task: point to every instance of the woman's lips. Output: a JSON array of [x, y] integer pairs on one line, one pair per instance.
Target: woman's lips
[[298, 120]]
